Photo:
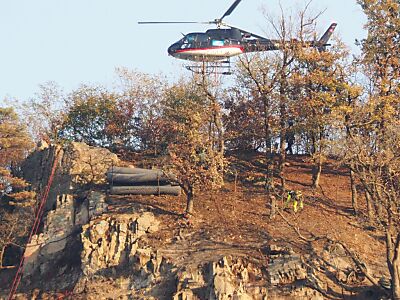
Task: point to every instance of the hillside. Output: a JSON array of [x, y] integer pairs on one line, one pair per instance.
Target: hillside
[[238, 224], [230, 232]]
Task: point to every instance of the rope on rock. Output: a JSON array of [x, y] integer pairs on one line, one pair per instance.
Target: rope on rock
[[35, 227]]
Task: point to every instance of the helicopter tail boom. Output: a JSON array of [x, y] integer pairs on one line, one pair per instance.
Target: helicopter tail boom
[[323, 41]]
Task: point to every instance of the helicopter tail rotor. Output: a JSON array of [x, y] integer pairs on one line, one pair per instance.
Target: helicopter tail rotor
[[322, 43]]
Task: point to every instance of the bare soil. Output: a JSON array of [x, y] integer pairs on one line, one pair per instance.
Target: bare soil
[[235, 220]]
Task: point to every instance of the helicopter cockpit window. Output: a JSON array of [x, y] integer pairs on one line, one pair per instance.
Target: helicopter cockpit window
[[190, 38], [194, 40]]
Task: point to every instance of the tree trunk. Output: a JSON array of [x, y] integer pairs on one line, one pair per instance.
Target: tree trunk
[[2, 256], [269, 180], [368, 195], [370, 209], [396, 275], [316, 174], [189, 201], [393, 262], [282, 125], [378, 204], [216, 132], [317, 168], [272, 201], [282, 162], [353, 192]]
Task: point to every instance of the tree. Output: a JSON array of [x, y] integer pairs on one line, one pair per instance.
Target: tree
[[374, 129], [192, 153], [243, 128], [95, 117], [44, 113], [320, 88], [141, 95], [274, 84], [15, 203], [14, 146]]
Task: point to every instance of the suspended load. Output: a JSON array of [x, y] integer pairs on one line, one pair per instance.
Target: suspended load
[[138, 181]]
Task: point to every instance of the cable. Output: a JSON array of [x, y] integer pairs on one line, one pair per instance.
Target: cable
[[35, 227]]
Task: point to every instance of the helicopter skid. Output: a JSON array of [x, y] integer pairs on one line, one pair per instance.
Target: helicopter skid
[[209, 54], [211, 67]]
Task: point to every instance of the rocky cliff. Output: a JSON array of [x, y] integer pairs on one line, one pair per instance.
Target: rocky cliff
[[76, 196]]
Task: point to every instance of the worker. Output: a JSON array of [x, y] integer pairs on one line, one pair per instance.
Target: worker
[[297, 198]]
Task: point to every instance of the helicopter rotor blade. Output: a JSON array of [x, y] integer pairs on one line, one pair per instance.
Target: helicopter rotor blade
[[217, 22], [173, 22], [230, 9]]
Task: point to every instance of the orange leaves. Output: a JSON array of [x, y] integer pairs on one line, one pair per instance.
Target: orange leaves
[[14, 139], [22, 197], [14, 146], [193, 153]]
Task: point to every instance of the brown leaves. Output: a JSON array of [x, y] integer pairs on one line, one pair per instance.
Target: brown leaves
[[193, 152], [14, 146], [14, 139]]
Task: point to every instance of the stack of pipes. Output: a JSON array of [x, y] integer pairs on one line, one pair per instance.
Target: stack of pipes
[[138, 181]]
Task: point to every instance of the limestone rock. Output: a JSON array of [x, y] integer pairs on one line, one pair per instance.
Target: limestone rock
[[146, 223], [112, 242], [186, 294], [97, 203], [222, 287], [89, 164], [285, 266], [242, 296], [105, 245], [190, 278], [78, 165], [340, 263], [66, 210], [143, 256], [229, 278]]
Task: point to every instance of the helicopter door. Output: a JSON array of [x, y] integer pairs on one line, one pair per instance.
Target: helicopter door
[[201, 40]]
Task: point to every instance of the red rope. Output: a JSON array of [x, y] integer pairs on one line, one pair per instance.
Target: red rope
[[34, 229]]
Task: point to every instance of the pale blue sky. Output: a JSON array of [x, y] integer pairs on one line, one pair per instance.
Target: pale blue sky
[[82, 41]]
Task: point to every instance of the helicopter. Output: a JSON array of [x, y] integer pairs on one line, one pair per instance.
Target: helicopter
[[220, 44]]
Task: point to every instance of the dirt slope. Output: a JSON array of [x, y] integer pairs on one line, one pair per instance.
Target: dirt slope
[[237, 223]]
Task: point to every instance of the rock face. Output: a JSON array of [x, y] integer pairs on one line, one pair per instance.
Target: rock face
[[70, 204], [285, 266], [113, 242], [114, 251], [227, 278], [79, 165], [45, 246]]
